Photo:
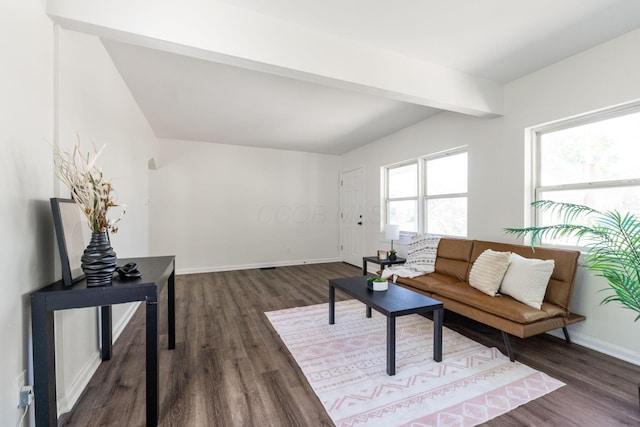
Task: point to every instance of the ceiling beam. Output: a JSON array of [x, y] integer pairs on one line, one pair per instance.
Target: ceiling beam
[[227, 34]]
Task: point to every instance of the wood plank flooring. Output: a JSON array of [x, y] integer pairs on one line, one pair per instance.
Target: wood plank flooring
[[230, 368]]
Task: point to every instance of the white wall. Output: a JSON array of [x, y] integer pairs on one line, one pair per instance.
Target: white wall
[[598, 78], [221, 207], [94, 103], [26, 175], [439, 133], [603, 76]]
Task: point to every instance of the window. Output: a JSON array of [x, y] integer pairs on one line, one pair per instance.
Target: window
[[428, 195], [402, 196], [446, 194], [589, 161]]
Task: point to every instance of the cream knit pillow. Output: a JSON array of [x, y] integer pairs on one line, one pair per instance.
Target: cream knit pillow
[[488, 270], [526, 279]]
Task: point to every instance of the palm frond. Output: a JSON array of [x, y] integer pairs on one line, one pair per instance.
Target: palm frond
[[566, 212], [612, 240], [539, 234]]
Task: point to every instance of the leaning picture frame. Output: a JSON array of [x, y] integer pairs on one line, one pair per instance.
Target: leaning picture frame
[[69, 224]]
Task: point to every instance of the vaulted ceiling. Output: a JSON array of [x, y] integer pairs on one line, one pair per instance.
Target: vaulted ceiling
[[329, 76]]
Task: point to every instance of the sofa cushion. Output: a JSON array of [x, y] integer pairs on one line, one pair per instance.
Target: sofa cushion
[[526, 279], [488, 270], [427, 282], [503, 306], [454, 257]]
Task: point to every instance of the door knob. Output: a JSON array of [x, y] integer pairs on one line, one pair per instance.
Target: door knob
[[359, 222]]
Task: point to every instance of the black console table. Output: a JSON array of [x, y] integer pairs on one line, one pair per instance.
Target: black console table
[[156, 271]]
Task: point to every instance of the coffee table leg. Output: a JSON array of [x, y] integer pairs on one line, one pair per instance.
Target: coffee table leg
[[438, 314], [368, 311], [391, 345], [332, 305]]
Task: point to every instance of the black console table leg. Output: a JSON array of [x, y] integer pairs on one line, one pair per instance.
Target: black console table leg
[[152, 374], [105, 332], [171, 315], [44, 363]]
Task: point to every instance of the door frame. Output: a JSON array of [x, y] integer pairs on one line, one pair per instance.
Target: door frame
[[362, 199]]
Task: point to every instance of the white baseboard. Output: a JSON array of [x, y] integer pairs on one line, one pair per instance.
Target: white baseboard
[[600, 346], [71, 395], [68, 399], [212, 269]]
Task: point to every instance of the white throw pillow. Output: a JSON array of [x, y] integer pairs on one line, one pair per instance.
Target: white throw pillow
[[488, 270], [526, 279]]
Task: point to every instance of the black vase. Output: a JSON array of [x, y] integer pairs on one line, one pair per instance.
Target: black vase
[[99, 261]]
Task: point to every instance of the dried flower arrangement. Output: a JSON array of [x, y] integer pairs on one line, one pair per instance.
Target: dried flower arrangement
[[89, 189]]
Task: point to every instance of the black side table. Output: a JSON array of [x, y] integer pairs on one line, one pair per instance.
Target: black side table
[[381, 262]]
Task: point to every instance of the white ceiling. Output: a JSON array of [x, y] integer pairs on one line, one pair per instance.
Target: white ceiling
[[199, 99]]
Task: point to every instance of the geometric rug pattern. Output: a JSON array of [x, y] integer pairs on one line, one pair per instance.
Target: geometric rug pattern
[[345, 364]]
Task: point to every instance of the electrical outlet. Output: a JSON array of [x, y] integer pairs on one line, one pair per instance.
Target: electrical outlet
[[26, 396], [20, 381]]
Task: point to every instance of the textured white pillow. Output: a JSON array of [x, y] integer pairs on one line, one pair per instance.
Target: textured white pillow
[[488, 270], [526, 279]]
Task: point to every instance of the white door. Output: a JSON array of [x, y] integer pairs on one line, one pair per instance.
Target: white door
[[352, 216]]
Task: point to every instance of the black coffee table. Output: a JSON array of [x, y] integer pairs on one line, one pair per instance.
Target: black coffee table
[[394, 302]]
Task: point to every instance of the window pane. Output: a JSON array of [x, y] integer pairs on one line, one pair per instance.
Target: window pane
[[403, 181], [447, 175], [622, 199], [405, 214], [447, 216], [593, 152]]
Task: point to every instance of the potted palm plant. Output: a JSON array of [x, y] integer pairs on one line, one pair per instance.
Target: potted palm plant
[[613, 242], [611, 238]]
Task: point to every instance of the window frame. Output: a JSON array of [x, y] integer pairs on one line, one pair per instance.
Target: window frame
[[388, 199], [535, 137], [422, 198], [426, 197]]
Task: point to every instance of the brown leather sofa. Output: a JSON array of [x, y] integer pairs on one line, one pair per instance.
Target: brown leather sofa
[[449, 284]]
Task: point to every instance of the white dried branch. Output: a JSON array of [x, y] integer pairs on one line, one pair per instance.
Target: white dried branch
[[91, 191]]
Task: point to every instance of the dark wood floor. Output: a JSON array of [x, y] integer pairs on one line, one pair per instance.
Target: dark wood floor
[[230, 368]]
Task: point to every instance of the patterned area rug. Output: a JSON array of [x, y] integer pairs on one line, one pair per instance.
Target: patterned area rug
[[345, 363]]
